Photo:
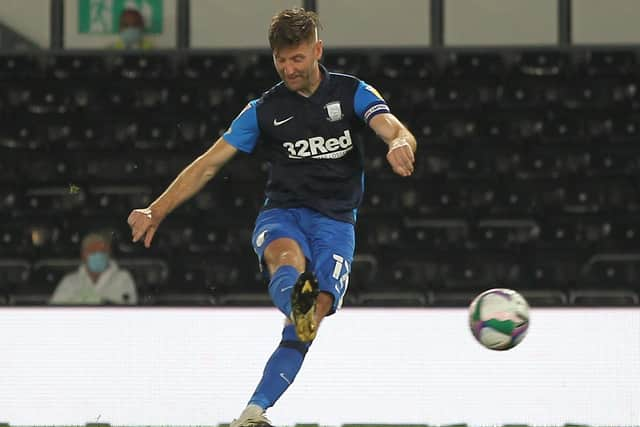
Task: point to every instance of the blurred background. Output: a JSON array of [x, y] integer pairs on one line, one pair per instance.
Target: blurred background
[[526, 114]]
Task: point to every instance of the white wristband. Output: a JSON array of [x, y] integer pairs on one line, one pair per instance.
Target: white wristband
[[398, 142]]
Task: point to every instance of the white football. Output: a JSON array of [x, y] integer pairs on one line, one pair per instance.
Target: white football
[[499, 318]]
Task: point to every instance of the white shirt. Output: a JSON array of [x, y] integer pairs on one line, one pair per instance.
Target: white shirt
[[114, 286]]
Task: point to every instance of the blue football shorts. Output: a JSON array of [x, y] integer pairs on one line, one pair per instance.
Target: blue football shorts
[[328, 245]]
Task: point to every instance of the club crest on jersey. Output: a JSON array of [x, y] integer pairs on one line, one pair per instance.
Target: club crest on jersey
[[334, 111]]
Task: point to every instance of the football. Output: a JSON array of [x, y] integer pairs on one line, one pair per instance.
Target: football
[[499, 318]]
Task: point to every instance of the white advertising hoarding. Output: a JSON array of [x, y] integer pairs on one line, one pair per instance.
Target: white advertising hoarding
[[193, 366]]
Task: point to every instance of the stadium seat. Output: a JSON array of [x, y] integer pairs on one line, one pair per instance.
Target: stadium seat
[[480, 270], [54, 200], [612, 161], [21, 135], [259, 69], [217, 68], [406, 273], [542, 63], [504, 233], [612, 270], [560, 232], [48, 171], [621, 128], [620, 233], [391, 299], [75, 67], [244, 298], [556, 161], [19, 67], [550, 268], [151, 275], [475, 65], [607, 63], [134, 66], [45, 277], [364, 271], [544, 297], [118, 200], [353, 63], [14, 273], [603, 297], [178, 299], [483, 160], [520, 96], [11, 201], [452, 298], [110, 168], [436, 234], [407, 66]]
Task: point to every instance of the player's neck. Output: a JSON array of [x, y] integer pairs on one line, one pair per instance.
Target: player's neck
[[314, 83]]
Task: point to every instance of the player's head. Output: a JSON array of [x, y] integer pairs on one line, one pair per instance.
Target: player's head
[[293, 37], [96, 252]]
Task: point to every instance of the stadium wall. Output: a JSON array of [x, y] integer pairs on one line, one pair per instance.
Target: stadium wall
[[349, 23], [132, 366]]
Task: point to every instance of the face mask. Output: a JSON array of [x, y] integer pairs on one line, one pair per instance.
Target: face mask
[[97, 262], [131, 36]]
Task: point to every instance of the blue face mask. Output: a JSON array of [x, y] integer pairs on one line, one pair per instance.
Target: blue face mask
[[98, 262], [131, 36]]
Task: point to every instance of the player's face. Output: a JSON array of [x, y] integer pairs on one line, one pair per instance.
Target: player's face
[[298, 65]]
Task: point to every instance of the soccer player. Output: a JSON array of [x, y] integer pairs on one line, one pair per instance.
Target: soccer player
[[304, 234]]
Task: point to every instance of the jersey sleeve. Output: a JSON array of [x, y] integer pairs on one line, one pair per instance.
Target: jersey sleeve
[[368, 102], [244, 130]]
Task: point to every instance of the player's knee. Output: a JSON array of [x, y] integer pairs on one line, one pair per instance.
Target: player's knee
[[284, 252]]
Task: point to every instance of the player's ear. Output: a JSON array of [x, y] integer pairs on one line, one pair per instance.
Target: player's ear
[[318, 50]]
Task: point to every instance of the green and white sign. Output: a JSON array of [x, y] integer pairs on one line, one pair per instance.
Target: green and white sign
[[103, 16]]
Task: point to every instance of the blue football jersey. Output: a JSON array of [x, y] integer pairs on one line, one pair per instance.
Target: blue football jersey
[[312, 144]]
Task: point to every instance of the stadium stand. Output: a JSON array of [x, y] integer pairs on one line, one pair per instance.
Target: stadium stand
[[527, 174]]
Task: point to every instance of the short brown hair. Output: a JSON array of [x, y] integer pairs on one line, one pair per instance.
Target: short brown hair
[[292, 26]]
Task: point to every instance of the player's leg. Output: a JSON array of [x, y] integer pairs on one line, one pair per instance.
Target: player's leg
[[332, 244], [285, 261], [275, 241]]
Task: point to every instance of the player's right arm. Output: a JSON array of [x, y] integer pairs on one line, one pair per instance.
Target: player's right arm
[[144, 222], [241, 135]]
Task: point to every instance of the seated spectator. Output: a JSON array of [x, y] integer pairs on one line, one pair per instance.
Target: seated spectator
[[98, 279], [132, 32]]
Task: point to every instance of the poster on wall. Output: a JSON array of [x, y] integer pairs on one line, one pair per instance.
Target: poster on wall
[[97, 24], [103, 16]]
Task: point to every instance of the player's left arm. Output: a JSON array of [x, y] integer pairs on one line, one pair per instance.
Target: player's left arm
[[401, 142], [374, 111]]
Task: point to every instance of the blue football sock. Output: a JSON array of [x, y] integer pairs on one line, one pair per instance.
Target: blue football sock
[[281, 286], [281, 369]]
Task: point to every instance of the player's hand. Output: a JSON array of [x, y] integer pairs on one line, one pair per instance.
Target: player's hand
[[143, 224], [400, 157]]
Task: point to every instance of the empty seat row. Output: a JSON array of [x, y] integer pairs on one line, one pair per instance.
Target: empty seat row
[[398, 270], [61, 97], [400, 64]]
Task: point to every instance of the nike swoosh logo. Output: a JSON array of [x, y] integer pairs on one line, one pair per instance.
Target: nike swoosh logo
[[285, 378], [286, 289], [281, 122]]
